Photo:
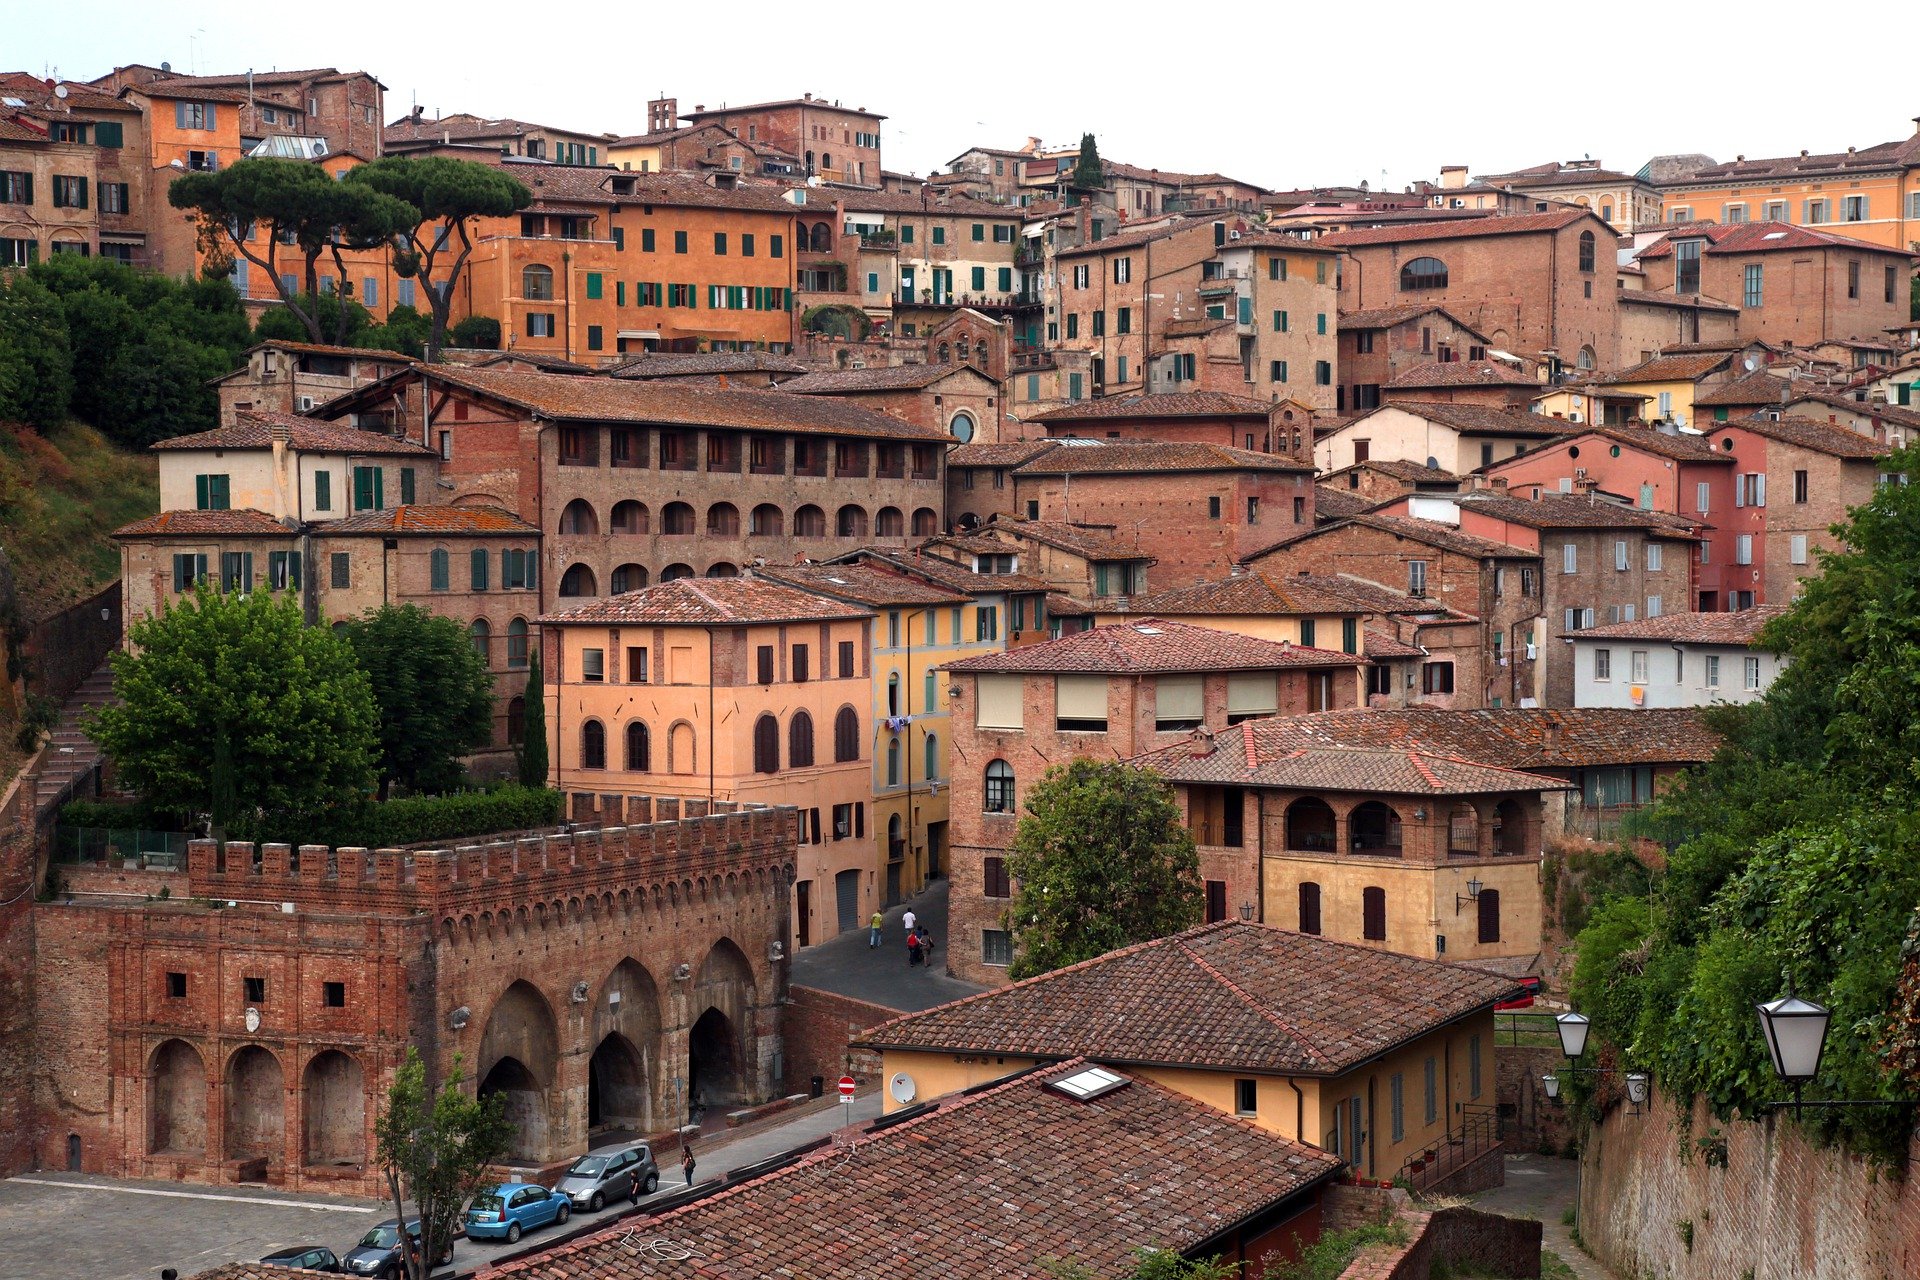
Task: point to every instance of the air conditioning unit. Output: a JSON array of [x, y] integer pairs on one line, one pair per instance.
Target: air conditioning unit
[[1233, 235], [306, 403], [1574, 416]]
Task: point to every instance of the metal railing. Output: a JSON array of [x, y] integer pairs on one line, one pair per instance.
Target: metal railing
[[1517, 1027], [130, 847], [1477, 1134]]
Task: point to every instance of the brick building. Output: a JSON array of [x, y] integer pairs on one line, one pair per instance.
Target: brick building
[[1109, 693], [638, 481], [343, 109], [1383, 479], [1091, 563], [747, 370], [1189, 417], [956, 400], [1651, 322], [1539, 285], [834, 143], [1118, 293], [1487, 382], [1378, 345], [1626, 201], [1281, 295], [255, 1042], [293, 377], [1794, 284], [415, 134], [73, 173], [910, 260]]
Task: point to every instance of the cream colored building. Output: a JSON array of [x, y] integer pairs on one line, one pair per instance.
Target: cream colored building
[[1459, 438], [293, 468]]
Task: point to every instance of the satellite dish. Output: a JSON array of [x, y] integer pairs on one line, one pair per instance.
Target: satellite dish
[[1751, 364], [901, 1088], [59, 91]]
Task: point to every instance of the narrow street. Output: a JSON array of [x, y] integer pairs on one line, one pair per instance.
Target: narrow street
[[847, 966], [1544, 1188]]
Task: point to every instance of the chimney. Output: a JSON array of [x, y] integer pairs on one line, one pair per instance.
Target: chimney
[[1499, 484], [419, 110], [1200, 741]]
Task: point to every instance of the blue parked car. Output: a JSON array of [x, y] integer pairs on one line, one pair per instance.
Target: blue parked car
[[514, 1207]]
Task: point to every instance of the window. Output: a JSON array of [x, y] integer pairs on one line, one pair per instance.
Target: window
[[1700, 495], [846, 735], [1436, 677], [766, 744], [1638, 666], [1686, 266], [845, 654], [333, 995], [536, 283], [254, 990], [1473, 1064], [16, 186], [69, 193], [212, 493], [1122, 270], [1100, 324], [517, 643], [593, 745], [1432, 1097], [1620, 557], [1853, 278], [176, 986], [1423, 273], [187, 570], [1814, 212], [1603, 664], [1713, 671], [1797, 549], [1750, 672], [1416, 578], [440, 572], [763, 662], [1309, 907], [1179, 703], [368, 489], [1277, 370], [236, 571], [1323, 373], [1755, 281], [1774, 211], [1853, 208], [995, 883], [1246, 1097], [1569, 557], [986, 622], [1373, 914], [1397, 1093], [1743, 549], [679, 242], [1893, 283], [1080, 704], [1123, 323], [999, 789], [113, 197], [1654, 608], [996, 947]]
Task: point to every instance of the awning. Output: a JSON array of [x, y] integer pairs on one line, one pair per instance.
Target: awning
[[638, 333]]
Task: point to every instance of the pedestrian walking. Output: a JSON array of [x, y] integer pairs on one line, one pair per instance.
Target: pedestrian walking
[[926, 945], [633, 1187], [686, 1162], [909, 920], [873, 929], [913, 950]]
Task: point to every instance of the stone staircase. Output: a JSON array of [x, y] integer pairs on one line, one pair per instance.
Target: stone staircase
[[70, 752]]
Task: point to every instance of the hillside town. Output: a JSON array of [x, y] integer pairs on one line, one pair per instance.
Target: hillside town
[[1131, 602]]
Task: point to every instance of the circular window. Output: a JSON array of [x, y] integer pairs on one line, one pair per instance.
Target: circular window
[[1727, 444], [1573, 451], [962, 427], [1614, 452]]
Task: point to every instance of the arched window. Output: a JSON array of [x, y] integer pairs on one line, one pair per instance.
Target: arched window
[[676, 518], [639, 747], [1374, 827], [1424, 273], [931, 765], [482, 637], [578, 518], [766, 521], [889, 523], [822, 233], [517, 643], [1309, 907], [851, 522], [946, 353], [893, 760], [723, 569], [1310, 827], [578, 580], [961, 427], [766, 745], [1373, 914], [809, 522], [1586, 250], [1606, 210], [999, 787], [629, 577], [826, 159], [676, 571], [630, 517], [925, 522], [681, 748], [893, 693], [846, 735], [800, 741], [593, 745], [536, 283], [723, 520], [1585, 359], [516, 721]]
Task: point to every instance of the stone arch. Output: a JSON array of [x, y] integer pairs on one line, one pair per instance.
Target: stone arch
[[519, 1059], [720, 1068], [851, 522], [809, 522], [256, 1101], [333, 1111], [1510, 828], [925, 523], [631, 518], [889, 522], [677, 519], [723, 569], [578, 518], [177, 1101], [629, 577], [681, 748], [1374, 827], [625, 1070], [675, 571], [1310, 825], [578, 580], [766, 521], [723, 520]]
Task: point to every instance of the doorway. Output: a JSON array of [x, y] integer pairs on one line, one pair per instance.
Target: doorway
[[846, 892], [73, 1153], [803, 908]]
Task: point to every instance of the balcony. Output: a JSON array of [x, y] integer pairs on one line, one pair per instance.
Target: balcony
[[1024, 257], [1031, 359], [879, 240]]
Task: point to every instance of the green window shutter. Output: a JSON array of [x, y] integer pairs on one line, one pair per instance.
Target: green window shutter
[[362, 489], [441, 570], [789, 305], [1246, 311], [379, 488], [341, 576], [406, 486], [246, 571], [477, 571], [980, 278], [595, 340], [182, 573], [979, 231], [220, 491], [200, 489], [1320, 322], [646, 239], [594, 287], [108, 133], [619, 293], [507, 580], [1350, 635], [1903, 393], [293, 569], [1006, 279]]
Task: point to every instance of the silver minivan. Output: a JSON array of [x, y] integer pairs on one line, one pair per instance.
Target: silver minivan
[[602, 1176]]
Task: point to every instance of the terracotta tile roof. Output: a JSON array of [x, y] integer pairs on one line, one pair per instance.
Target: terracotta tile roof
[[1130, 239], [1008, 454], [997, 1182], [1671, 368], [15, 131], [33, 90], [945, 573], [322, 349], [1094, 542], [1337, 504], [1479, 419], [480, 521], [1554, 174], [1648, 298], [1264, 592], [1574, 511], [1256, 753], [1761, 237], [254, 430], [1277, 240], [1060, 606], [1379, 646], [1738, 628], [674, 190], [1179, 404], [239, 522], [708, 601], [1388, 317], [1151, 644], [1892, 413], [1886, 155], [464, 127], [567, 399], [1757, 388], [858, 584], [901, 377], [901, 202], [1196, 326], [1083, 457], [1425, 532], [1457, 229], [1404, 469], [1680, 446], [1529, 739], [256, 1271], [549, 364], [1462, 373], [695, 366], [1224, 997], [1810, 433], [816, 104], [188, 89]]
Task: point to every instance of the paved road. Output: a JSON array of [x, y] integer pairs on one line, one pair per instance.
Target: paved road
[[66, 1226], [1542, 1187], [846, 965]]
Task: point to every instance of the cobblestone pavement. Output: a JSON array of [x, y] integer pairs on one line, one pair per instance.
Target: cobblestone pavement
[[1543, 1187], [846, 965]]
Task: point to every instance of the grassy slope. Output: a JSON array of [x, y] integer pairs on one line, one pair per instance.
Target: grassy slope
[[60, 496]]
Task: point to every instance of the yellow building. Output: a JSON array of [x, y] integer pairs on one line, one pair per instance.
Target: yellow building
[[727, 689], [1377, 1057], [1667, 383], [1869, 193]]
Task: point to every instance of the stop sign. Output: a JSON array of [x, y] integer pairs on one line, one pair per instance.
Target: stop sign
[[846, 1086]]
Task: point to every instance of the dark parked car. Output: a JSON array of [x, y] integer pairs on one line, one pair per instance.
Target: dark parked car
[[308, 1257], [378, 1253]]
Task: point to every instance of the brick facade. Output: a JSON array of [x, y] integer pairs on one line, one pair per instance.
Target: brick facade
[[816, 1028]]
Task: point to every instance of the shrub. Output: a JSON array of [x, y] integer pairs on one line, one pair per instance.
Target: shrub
[[424, 819]]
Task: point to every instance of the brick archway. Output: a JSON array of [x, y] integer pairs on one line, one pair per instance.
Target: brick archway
[[720, 1051], [177, 1101], [256, 1103], [519, 1059], [333, 1112], [623, 1074]]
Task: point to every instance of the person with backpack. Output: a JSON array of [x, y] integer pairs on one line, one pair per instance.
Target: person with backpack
[[686, 1162]]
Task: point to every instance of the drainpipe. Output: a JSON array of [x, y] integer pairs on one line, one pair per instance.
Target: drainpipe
[[712, 729], [1260, 854], [1299, 1112]]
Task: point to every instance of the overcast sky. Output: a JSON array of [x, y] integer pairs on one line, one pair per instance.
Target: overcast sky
[[1278, 96]]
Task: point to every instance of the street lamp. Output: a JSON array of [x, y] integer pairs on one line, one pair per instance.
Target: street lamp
[[1796, 1032], [1473, 895], [1246, 911], [1636, 1089], [1573, 1028], [1551, 1083]]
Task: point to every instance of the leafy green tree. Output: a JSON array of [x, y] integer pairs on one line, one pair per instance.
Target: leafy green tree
[[482, 333], [342, 319], [405, 330], [445, 196], [533, 747], [36, 356], [435, 1147], [1089, 173], [1149, 1264], [433, 692], [232, 706], [255, 205], [1103, 862]]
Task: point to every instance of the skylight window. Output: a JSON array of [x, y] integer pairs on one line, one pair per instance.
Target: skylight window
[[1089, 1084], [1150, 631], [1774, 235]]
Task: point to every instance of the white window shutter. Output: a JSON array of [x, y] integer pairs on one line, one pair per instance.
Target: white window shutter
[[1760, 489]]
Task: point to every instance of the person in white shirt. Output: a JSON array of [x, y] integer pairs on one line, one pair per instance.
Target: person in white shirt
[[908, 920]]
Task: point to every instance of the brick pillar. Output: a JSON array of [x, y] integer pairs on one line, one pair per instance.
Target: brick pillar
[[352, 861], [276, 861], [313, 863]]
